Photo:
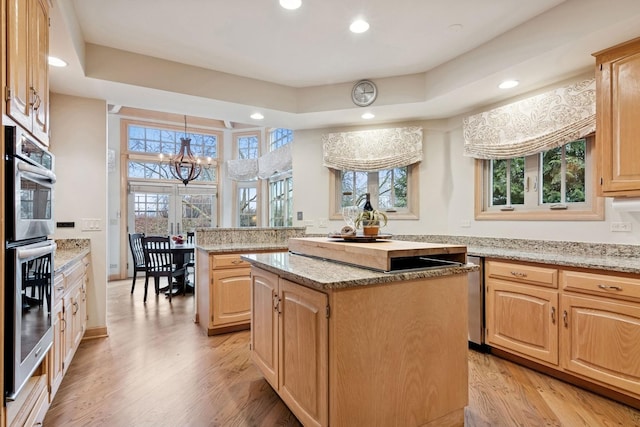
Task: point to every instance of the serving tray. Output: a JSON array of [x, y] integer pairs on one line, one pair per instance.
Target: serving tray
[[361, 238]]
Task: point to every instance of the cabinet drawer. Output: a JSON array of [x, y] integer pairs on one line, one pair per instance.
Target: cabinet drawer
[[74, 274], [601, 284], [228, 261], [513, 272]]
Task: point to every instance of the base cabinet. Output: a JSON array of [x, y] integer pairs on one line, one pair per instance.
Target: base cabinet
[[588, 328], [69, 321], [291, 346], [349, 357], [521, 310]]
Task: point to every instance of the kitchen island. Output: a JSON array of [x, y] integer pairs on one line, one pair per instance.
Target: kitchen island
[[346, 346]]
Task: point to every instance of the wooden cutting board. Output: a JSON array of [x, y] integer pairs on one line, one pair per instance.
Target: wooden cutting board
[[376, 255]]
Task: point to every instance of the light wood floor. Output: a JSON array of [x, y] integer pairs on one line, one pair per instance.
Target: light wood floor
[[157, 369]]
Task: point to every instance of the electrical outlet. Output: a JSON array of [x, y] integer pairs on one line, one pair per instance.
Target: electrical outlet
[[465, 223], [621, 226], [322, 222]]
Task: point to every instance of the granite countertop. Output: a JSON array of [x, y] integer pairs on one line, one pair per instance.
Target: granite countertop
[[241, 247], [322, 274], [69, 251], [594, 261]]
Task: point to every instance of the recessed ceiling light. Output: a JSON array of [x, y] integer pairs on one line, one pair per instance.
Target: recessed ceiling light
[[56, 62], [291, 4], [257, 116], [508, 84], [359, 26], [368, 116]]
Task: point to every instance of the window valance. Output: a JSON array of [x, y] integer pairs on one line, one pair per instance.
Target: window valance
[[275, 162], [532, 125], [372, 150], [272, 163], [242, 169]]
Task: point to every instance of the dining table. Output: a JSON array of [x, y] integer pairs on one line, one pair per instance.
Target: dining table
[[182, 253]]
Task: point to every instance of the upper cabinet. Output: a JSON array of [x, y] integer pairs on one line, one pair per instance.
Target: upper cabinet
[[27, 90], [618, 127]]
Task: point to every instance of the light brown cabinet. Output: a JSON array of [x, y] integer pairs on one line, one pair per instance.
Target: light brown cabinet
[[363, 355], [224, 293], [601, 329], [27, 90], [588, 328], [617, 112], [522, 310], [290, 344]]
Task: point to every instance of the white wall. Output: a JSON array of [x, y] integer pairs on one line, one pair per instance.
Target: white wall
[[79, 141], [446, 193]]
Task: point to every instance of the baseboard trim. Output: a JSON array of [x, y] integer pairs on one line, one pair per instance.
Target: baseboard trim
[[93, 333]]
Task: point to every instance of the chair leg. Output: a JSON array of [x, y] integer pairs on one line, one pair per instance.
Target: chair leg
[[133, 284], [170, 287], [146, 285]]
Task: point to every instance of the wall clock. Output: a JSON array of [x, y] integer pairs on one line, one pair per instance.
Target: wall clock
[[364, 93]]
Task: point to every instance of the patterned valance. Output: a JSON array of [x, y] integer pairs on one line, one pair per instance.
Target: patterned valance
[[242, 169], [372, 150], [275, 162], [532, 125], [272, 163]]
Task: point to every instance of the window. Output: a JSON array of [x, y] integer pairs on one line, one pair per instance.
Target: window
[[145, 143], [247, 205], [392, 190], [281, 201], [279, 137], [248, 146], [554, 185]]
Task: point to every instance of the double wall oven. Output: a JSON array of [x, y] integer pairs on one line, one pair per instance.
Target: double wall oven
[[29, 184]]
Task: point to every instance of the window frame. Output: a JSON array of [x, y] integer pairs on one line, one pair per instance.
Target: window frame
[[592, 210], [413, 200], [287, 202]]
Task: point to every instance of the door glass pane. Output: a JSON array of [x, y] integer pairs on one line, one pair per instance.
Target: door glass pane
[[151, 213]]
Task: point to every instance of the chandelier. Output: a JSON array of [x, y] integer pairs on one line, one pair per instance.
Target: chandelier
[[184, 166]]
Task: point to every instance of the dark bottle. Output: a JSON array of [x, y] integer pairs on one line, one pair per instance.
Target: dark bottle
[[367, 203]]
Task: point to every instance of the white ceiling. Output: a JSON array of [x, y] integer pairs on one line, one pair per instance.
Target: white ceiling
[[226, 59]]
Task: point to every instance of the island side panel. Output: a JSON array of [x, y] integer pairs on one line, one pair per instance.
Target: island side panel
[[398, 353]]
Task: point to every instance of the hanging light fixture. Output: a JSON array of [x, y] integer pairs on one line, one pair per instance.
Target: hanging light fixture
[[185, 166]]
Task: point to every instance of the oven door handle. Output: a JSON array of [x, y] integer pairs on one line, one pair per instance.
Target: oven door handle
[[48, 175], [23, 253]]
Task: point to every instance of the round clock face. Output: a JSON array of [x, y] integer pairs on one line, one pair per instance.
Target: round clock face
[[364, 93]]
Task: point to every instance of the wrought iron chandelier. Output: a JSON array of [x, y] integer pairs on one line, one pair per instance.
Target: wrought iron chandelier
[[184, 166]]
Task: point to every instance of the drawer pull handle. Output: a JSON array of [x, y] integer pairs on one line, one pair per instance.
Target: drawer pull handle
[[553, 315], [518, 274], [236, 261], [610, 288], [565, 318]]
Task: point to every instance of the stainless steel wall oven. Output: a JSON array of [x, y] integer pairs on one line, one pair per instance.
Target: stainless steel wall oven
[[29, 182]]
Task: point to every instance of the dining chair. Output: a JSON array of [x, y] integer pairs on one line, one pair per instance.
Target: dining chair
[[159, 260], [190, 265], [137, 253]]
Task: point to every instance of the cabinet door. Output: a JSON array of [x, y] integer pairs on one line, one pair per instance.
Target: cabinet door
[[56, 368], [231, 296], [523, 319], [600, 341], [68, 348], [77, 314], [618, 109], [264, 324], [303, 352], [18, 67], [40, 69]]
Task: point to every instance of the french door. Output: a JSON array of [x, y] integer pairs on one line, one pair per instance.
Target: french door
[[169, 209]]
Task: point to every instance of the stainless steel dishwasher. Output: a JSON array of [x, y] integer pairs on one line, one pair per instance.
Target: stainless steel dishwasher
[[476, 302]]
